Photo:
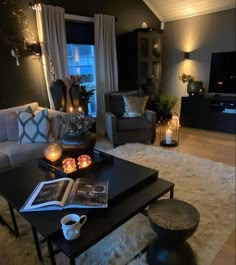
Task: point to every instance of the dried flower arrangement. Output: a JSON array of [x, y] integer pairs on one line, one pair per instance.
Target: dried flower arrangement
[[186, 78], [77, 122]]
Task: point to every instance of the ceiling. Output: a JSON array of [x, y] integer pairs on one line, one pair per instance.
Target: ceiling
[[169, 10]]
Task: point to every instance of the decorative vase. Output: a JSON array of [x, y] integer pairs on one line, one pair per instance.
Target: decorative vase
[[79, 143], [194, 87]]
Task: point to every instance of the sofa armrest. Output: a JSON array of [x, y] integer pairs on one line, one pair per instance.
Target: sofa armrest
[[111, 128], [150, 116]]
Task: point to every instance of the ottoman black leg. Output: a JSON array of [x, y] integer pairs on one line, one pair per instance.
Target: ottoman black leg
[[170, 253]]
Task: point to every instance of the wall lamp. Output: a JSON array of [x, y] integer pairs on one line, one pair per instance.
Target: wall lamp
[[186, 55], [35, 48]]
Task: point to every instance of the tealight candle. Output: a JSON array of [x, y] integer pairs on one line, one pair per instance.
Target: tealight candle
[[52, 152], [84, 161], [69, 165], [168, 136]]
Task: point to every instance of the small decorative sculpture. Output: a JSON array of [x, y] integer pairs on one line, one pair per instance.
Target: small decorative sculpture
[[15, 53]]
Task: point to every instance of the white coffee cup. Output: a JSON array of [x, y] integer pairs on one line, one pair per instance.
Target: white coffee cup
[[71, 225]]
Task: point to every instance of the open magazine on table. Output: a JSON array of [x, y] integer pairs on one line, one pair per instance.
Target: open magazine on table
[[66, 193]]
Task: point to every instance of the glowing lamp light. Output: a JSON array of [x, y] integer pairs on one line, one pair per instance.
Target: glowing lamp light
[[52, 152], [69, 165], [84, 161]]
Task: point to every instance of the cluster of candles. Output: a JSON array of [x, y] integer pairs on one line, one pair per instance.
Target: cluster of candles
[[71, 109], [69, 164]]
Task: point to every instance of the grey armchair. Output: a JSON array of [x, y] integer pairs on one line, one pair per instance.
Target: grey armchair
[[122, 130]]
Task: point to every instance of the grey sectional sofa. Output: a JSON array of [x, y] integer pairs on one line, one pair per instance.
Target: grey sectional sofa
[[13, 153]]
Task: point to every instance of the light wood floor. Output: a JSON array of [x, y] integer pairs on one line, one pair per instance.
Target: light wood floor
[[212, 145]]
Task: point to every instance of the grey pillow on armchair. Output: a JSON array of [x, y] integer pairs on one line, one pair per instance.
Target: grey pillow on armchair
[[134, 106]]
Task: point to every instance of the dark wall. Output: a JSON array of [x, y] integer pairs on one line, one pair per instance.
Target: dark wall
[[25, 83], [201, 36]]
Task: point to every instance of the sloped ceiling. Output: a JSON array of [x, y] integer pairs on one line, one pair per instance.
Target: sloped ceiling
[[169, 10]]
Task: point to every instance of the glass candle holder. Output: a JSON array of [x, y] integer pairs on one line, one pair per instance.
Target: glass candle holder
[[69, 165], [84, 161], [52, 152]]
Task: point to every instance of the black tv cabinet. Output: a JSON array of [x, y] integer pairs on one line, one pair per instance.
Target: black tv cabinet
[[217, 113]]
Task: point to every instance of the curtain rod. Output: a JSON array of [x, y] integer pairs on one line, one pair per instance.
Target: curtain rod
[[78, 18], [71, 16]]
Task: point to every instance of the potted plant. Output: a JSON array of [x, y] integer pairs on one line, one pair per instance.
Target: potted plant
[[193, 87], [164, 105], [79, 95], [78, 137]]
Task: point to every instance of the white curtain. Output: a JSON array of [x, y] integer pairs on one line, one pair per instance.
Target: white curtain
[[52, 37], [106, 64]]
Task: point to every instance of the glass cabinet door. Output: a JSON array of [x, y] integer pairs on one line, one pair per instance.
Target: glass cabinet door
[[149, 60], [144, 48], [156, 47]]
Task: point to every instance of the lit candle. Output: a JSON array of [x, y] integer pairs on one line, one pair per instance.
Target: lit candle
[[69, 165], [168, 136], [80, 109], [53, 152], [71, 109], [84, 161]]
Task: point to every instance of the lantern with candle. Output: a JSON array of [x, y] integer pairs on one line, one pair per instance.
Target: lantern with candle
[[53, 152], [169, 130]]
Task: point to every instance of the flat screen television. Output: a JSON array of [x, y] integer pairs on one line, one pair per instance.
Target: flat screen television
[[223, 74]]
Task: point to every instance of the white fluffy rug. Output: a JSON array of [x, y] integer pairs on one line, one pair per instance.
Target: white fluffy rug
[[208, 185]]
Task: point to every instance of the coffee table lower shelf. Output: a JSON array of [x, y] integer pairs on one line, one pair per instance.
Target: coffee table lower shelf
[[115, 215]]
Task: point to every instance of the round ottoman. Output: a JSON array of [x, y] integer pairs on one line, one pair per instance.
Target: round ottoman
[[174, 221]]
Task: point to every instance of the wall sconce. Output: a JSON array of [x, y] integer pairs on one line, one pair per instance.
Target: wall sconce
[[186, 55], [35, 48]]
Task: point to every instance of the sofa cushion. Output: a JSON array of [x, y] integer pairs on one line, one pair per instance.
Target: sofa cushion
[[19, 153], [34, 129], [12, 124], [126, 124], [4, 161], [3, 130]]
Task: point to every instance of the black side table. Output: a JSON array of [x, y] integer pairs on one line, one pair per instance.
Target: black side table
[[174, 221]]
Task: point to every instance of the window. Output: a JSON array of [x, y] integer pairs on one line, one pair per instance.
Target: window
[[81, 61], [81, 56]]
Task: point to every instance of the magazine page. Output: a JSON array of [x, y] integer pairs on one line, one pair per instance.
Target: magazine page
[[88, 193], [49, 195]]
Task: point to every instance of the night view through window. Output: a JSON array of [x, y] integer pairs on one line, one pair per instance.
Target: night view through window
[[81, 61]]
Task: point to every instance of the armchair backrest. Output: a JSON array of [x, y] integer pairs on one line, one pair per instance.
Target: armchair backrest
[[114, 102]]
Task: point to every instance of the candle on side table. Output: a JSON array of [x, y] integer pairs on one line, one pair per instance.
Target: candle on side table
[[168, 136]]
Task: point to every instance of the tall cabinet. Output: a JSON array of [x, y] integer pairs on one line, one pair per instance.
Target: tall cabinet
[[145, 61]]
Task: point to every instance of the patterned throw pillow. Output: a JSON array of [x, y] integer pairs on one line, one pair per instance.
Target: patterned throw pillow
[[134, 106], [34, 128], [11, 121]]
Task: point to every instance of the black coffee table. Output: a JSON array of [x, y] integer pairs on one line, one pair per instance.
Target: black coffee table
[[131, 188]]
